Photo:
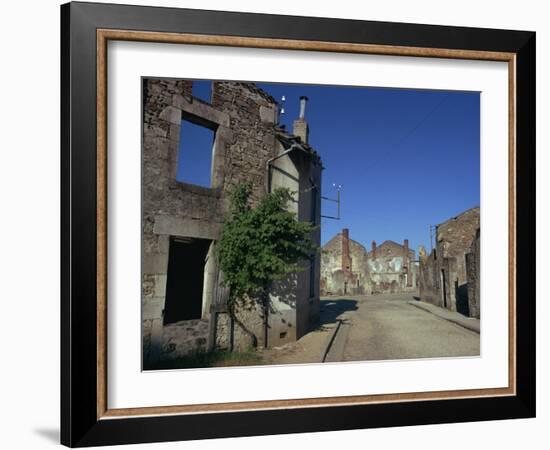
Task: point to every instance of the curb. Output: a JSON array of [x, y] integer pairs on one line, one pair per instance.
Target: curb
[[330, 340], [463, 322]]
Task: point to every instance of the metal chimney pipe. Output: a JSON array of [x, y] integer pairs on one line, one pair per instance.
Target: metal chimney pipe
[[303, 101]]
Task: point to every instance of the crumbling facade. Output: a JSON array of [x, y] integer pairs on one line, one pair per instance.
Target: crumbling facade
[[392, 268], [449, 275], [184, 301], [343, 266], [348, 268]]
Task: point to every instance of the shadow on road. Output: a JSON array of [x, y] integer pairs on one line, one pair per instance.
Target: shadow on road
[[332, 309]]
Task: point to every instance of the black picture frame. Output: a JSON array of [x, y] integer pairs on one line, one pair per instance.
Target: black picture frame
[[80, 425]]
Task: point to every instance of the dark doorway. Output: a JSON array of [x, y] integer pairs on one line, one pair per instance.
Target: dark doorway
[[462, 304], [444, 287], [186, 260]]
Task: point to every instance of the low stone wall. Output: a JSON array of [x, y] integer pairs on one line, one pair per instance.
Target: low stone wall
[[183, 338], [428, 279], [228, 333]]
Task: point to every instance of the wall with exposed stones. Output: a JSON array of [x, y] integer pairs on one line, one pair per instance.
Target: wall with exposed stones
[[232, 334], [429, 278], [454, 238], [444, 274], [472, 274], [179, 338]]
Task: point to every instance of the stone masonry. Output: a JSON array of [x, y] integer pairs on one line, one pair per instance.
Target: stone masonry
[[449, 276], [473, 276]]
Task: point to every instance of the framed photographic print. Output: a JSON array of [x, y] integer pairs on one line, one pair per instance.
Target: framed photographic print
[[276, 224]]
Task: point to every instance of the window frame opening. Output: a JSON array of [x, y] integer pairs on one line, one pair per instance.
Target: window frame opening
[[195, 121]]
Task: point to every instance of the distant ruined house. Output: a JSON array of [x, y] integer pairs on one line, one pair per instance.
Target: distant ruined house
[[348, 268], [392, 268], [449, 275], [184, 302], [343, 266]]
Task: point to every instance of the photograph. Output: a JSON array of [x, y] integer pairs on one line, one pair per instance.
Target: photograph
[[307, 224]]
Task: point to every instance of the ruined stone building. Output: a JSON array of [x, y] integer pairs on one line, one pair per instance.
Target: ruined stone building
[[348, 268], [392, 268], [449, 275], [184, 302], [343, 266]]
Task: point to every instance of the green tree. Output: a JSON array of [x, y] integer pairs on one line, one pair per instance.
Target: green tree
[[260, 245]]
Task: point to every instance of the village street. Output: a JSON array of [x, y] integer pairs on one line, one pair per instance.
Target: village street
[[381, 327], [391, 326]]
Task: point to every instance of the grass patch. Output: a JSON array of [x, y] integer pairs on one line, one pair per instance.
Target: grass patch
[[215, 358]]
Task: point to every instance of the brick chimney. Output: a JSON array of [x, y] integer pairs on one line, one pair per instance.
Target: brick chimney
[[346, 258], [300, 126], [373, 249]]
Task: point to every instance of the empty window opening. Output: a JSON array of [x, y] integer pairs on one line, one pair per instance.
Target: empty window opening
[[195, 154], [202, 89], [184, 284]]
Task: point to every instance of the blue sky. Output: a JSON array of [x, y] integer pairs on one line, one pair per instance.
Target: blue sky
[[406, 159]]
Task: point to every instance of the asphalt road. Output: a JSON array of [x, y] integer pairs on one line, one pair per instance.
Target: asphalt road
[[385, 327]]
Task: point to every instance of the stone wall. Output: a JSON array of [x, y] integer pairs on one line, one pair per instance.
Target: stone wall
[[171, 208], [473, 276], [428, 279], [231, 334], [454, 238], [183, 338], [444, 276], [252, 114]]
